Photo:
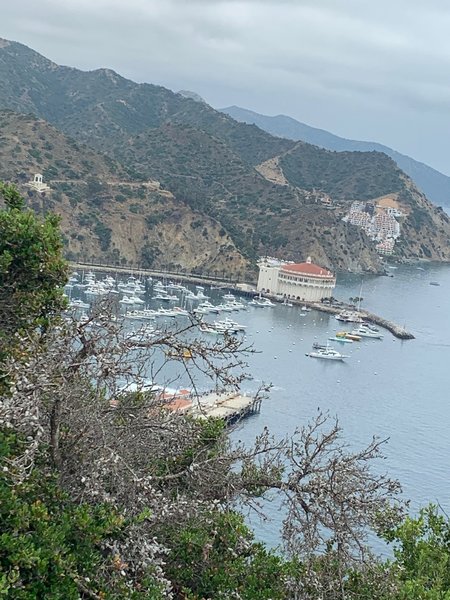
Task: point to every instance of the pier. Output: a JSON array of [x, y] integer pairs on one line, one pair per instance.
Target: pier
[[230, 407]]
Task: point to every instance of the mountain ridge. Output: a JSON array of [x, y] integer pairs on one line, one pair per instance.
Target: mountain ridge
[[433, 183], [210, 164]]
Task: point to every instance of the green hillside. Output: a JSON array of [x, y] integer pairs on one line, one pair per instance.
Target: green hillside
[[210, 166]]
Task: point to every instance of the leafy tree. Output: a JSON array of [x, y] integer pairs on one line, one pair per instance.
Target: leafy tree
[[422, 555], [32, 270], [52, 547]]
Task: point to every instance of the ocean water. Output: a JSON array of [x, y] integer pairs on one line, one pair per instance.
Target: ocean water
[[393, 389], [399, 390]]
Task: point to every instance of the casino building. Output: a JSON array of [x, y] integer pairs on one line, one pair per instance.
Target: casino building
[[303, 281]]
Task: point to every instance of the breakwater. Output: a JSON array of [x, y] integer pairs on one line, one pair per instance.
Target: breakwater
[[396, 330]]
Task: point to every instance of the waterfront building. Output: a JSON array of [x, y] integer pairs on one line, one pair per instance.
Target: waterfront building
[[301, 281]]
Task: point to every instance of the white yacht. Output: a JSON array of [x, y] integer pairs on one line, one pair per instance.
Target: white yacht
[[349, 316], [262, 302], [228, 326], [326, 353], [126, 301], [368, 332]]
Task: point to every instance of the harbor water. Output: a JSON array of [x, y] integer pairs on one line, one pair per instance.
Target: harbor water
[[393, 389]]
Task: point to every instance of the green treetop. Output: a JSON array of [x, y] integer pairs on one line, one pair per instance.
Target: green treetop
[[32, 269]]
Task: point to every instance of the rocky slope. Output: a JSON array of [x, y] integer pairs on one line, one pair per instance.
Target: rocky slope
[[106, 215]]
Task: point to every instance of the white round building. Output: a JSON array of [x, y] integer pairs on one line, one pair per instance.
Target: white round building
[[302, 281]]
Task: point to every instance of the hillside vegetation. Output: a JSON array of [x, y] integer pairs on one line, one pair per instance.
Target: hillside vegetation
[[106, 215], [221, 209], [435, 185]]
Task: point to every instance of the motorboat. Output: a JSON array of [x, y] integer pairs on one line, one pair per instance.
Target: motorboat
[[126, 301], [205, 328], [348, 335], [364, 331], [326, 353], [349, 316], [228, 326], [140, 315], [341, 340], [207, 306], [180, 312], [261, 303], [224, 307], [201, 310], [165, 297], [235, 305], [306, 308]]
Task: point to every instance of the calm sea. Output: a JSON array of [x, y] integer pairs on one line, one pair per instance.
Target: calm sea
[[393, 389]]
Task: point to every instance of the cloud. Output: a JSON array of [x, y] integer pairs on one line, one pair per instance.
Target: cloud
[[331, 62]]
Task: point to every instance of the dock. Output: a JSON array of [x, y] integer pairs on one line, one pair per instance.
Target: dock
[[229, 406]]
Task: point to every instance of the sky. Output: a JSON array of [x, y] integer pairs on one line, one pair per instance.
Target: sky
[[375, 70]]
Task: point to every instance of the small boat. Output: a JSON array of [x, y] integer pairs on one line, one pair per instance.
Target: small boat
[[205, 328], [228, 326], [366, 332], [348, 335], [434, 283], [349, 316], [306, 309], [341, 340], [326, 353]]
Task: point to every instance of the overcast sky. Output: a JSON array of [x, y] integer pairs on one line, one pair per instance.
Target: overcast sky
[[364, 69]]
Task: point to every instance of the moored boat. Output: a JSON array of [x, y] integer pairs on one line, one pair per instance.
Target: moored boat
[[366, 332], [326, 353], [349, 316]]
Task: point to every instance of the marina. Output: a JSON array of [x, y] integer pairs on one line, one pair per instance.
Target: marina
[[245, 290]]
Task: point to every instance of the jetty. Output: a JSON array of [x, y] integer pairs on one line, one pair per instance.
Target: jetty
[[399, 332]]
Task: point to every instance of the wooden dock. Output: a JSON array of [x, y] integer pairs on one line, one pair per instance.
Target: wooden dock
[[229, 406]]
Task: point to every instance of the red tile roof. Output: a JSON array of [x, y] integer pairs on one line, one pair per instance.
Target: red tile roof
[[308, 269]]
